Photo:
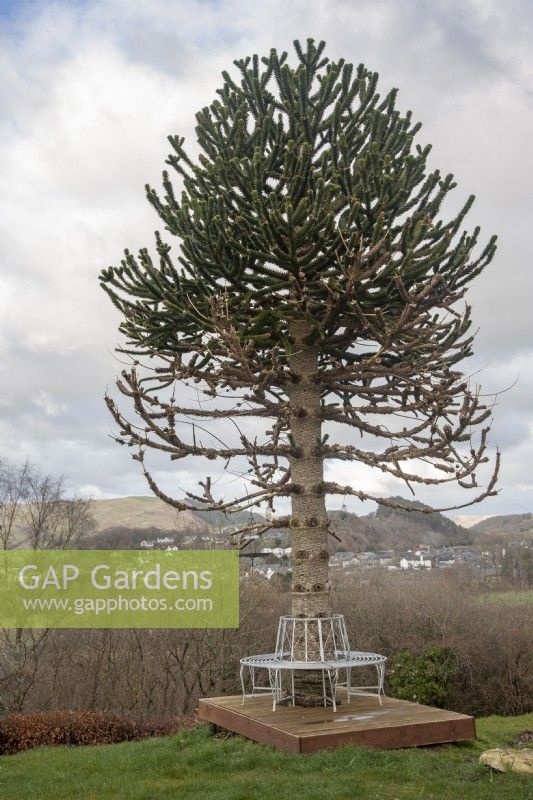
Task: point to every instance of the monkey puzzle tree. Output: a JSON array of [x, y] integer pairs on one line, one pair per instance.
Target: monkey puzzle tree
[[314, 288]]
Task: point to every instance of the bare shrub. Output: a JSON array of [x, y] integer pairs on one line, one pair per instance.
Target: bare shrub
[[161, 673], [156, 673], [35, 513], [493, 644]]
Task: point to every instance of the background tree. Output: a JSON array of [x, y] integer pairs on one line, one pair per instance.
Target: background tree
[[36, 514], [315, 287]]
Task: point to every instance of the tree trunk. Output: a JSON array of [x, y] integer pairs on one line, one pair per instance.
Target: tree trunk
[[309, 523]]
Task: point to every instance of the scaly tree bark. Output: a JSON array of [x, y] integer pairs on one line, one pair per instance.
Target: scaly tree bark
[[315, 286]]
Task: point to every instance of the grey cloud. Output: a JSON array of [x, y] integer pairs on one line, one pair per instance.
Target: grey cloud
[[90, 92]]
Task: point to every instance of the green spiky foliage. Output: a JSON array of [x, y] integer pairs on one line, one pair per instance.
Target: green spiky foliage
[[312, 274]]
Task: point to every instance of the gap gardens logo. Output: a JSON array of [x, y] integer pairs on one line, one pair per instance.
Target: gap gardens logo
[[119, 589]]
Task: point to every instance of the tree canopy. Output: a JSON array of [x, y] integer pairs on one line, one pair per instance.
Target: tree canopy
[[314, 284]]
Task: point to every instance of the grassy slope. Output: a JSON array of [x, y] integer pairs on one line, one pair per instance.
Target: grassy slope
[[143, 512], [195, 764], [509, 597]]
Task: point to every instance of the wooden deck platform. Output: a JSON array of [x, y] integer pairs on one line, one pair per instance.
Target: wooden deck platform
[[397, 723]]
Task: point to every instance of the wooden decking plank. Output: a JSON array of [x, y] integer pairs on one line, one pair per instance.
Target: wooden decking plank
[[391, 738], [248, 726], [397, 723]]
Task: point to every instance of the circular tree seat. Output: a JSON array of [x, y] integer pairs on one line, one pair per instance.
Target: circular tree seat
[[276, 665]]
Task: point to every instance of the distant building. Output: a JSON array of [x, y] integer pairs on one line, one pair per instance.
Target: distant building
[[418, 562], [278, 552], [268, 570]]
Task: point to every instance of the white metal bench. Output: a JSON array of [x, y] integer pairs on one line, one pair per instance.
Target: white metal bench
[[277, 665]]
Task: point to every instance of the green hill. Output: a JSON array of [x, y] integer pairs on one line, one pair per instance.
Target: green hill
[[509, 526], [381, 530], [432, 521], [396, 529], [143, 512]]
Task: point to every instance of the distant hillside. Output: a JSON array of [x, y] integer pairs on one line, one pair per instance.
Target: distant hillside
[[433, 521], [381, 530], [388, 529], [220, 519], [469, 520], [506, 526], [122, 538], [144, 513]]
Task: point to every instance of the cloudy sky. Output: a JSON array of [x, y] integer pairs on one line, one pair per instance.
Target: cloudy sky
[[90, 91]]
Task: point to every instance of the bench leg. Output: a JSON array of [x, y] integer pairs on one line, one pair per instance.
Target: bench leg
[[333, 688], [274, 676], [242, 684], [292, 688], [348, 682], [381, 676]]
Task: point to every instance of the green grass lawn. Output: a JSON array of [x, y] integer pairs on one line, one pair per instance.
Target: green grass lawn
[[510, 597], [195, 764]]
